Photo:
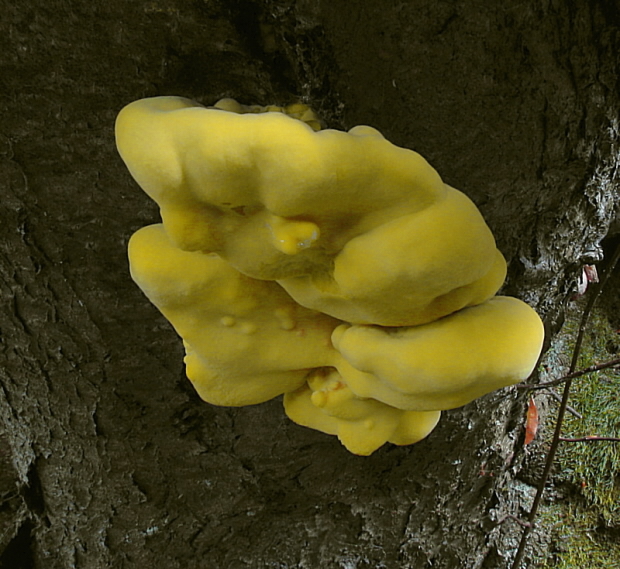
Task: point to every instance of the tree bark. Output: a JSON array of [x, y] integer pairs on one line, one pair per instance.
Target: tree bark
[[107, 457]]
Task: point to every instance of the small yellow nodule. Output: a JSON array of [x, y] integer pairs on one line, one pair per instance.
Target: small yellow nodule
[[291, 236], [319, 398], [343, 274]]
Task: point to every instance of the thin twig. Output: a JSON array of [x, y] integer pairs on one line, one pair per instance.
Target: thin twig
[[596, 367], [589, 439], [522, 523], [555, 442], [570, 409]]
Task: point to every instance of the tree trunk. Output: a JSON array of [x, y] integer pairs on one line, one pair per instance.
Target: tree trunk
[[107, 457]]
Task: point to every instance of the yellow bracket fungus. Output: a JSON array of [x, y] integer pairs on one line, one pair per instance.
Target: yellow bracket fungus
[[333, 268]]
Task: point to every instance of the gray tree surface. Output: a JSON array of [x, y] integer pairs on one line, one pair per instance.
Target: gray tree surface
[[107, 457]]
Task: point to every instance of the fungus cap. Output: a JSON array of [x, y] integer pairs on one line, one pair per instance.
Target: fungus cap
[[332, 267]]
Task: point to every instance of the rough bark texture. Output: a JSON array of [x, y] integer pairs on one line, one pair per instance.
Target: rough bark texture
[[107, 457]]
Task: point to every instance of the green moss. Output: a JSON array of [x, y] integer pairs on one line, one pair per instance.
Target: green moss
[[587, 535], [594, 467], [579, 543]]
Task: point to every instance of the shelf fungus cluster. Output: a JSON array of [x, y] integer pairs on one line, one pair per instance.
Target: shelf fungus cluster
[[330, 267]]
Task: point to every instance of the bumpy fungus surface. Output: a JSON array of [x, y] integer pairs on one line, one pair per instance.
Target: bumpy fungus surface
[[334, 268]]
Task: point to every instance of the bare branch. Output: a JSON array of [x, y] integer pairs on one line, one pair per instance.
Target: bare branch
[[589, 439], [521, 522], [596, 367], [570, 409], [555, 442]]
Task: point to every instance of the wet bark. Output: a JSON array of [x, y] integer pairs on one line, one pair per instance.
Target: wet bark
[[107, 457]]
